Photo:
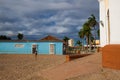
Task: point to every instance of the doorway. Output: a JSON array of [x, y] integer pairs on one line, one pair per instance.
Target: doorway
[[52, 49], [34, 48]]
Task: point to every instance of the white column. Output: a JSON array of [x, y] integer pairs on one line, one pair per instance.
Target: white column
[[103, 28]]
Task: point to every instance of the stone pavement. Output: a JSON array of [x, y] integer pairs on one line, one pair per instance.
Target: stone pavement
[[85, 65]]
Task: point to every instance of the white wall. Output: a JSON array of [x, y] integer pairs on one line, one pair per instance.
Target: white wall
[[114, 12], [103, 29], [70, 42], [114, 6]]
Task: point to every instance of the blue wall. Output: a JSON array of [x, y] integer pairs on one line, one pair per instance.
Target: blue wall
[[43, 47]]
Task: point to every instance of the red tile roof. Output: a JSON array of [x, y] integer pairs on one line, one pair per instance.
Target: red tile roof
[[51, 38], [47, 38]]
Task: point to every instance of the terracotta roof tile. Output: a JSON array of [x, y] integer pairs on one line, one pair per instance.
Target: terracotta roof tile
[[47, 38], [50, 38]]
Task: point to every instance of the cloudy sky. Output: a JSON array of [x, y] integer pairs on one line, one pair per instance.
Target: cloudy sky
[[38, 18]]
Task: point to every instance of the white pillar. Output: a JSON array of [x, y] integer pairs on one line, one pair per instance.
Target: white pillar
[[103, 25]]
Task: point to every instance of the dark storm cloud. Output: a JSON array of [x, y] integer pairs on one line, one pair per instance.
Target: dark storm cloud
[[43, 17]]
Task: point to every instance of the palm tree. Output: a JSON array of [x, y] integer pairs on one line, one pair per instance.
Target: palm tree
[[65, 39], [20, 36], [92, 21], [92, 40], [79, 43], [92, 24], [81, 35], [87, 32], [98, 32]]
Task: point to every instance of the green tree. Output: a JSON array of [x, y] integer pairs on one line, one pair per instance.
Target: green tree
[[81, 35], [92, 40], [20, 36], [66, 40], [92, 24], [98, 32], [4, 37], [92, 21], [79, 43], [87, 32]]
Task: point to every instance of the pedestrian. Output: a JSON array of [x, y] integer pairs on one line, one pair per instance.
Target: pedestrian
[[36, 54]]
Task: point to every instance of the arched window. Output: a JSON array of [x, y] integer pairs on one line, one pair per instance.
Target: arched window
[[108, 14], [108, 17]]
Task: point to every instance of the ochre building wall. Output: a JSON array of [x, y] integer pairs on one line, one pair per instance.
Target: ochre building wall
[[111, 56]]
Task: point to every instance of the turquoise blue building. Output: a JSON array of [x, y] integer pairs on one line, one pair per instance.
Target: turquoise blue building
[[47, 45]]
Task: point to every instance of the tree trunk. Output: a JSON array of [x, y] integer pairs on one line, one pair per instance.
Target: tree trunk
[[87, 40], [95, 38], [83, 44], [90, 46]]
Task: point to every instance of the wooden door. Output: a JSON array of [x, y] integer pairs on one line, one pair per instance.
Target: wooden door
[[52, 49]]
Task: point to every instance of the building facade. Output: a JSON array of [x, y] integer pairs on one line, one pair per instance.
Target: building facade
[[109, 33], [71, 43], [109, 22], [47, 45]]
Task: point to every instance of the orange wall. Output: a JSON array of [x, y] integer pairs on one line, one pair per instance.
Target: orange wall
[[111, 56]]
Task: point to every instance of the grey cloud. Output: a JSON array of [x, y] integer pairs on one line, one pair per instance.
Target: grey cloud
[[12, 27], [42, 17]]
